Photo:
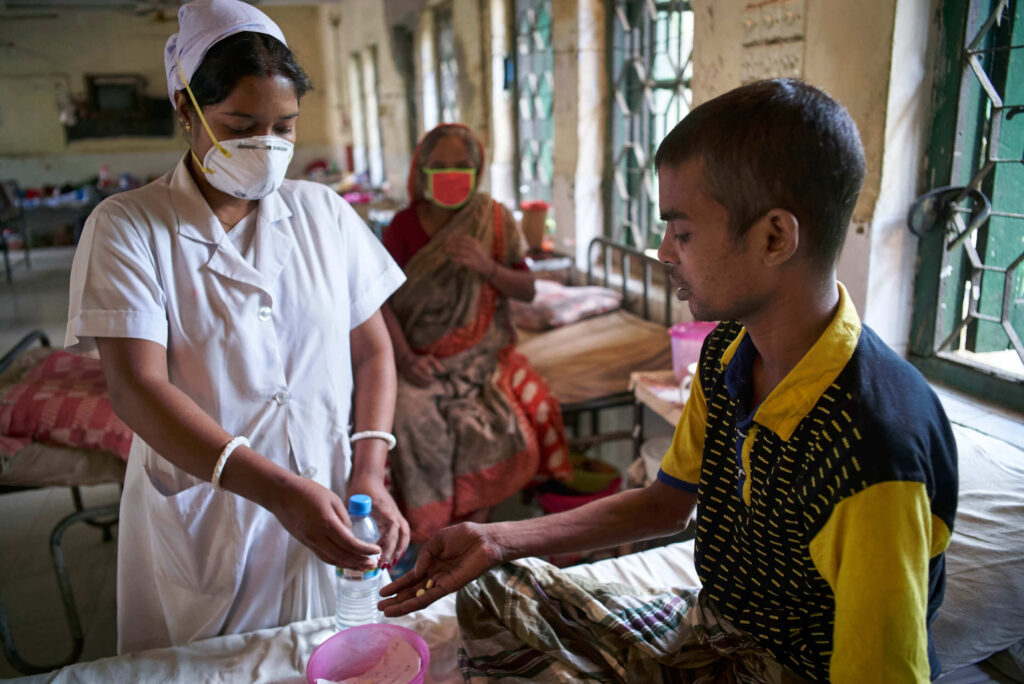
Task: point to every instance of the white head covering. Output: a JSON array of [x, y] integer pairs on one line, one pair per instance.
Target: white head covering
[[203, 23]]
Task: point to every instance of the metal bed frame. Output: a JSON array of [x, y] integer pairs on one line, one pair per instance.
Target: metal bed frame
[[617, 257], [104, 517]]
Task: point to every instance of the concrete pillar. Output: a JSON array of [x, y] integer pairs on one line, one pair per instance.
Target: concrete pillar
[[592, 115], [503, 135]]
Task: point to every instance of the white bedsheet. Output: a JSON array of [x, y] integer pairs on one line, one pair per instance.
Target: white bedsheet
[[279, 655]]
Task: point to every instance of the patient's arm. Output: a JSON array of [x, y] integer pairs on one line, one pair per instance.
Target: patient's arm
[[457, 555]]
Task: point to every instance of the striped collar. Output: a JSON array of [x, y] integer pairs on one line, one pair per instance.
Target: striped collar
[[793, 398]]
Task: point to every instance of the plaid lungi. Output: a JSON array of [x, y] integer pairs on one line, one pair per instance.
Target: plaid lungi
[[543, 624]]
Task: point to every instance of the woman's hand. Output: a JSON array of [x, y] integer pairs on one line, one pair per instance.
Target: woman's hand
[[420, 370], [453, 558], [466, 251], [316, 516], [394, 530]]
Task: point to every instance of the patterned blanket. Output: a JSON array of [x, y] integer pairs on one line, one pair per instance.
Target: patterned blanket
[[544, 625]]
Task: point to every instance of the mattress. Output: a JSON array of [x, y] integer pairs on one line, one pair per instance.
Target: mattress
[[594, 357], [279, 655]]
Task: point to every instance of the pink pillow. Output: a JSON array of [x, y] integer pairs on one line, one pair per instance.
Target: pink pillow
[[62, 400], [556, 305]]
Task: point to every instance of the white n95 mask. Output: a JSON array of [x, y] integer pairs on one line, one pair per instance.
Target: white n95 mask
[[248, 168]]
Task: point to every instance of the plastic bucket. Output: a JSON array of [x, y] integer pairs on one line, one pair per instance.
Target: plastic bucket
[[687, 339], [353, 651], [652, 451], [555, 502]]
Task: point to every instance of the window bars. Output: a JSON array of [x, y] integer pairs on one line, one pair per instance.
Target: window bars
[[979, 306], [650, 70], [535, 87]]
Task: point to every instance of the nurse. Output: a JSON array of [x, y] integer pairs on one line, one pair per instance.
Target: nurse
[[237, 320]]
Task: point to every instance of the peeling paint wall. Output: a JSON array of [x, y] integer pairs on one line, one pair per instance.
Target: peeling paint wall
[[41, 57], [872, 56]]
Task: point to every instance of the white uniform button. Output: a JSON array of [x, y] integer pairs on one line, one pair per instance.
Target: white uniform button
[[263, 314], [309, 473], [281, 397]]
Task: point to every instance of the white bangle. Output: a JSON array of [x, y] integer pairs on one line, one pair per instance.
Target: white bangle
[[375, 434], [223, 458]]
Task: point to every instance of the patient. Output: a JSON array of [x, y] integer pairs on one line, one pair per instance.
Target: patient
[[820, 464], [474, 421]]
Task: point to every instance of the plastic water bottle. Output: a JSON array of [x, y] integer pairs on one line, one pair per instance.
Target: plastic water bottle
[[357, 591]]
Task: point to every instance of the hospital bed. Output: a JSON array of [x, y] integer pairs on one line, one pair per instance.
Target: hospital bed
[[981, 614], [587, 363], [54, 409]]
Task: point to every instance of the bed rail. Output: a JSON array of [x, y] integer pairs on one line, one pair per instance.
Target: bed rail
[[612, 252], [24, 343]]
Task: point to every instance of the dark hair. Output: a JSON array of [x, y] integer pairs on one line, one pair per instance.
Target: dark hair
[[240, 55], [776, 144]]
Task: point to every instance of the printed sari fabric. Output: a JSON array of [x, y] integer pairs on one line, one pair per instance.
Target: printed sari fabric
[[488, 423], [542, 624]]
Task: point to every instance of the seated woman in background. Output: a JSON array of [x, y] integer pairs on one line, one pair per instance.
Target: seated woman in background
[[474, 421]]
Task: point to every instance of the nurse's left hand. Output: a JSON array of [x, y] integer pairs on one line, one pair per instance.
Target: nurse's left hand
[[394, 530]]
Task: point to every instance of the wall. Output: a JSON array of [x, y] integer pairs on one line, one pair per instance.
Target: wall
[[360, 25], [42, 57], [872, 57]]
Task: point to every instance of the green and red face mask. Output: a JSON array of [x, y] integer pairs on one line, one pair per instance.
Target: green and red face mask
[[450, 188]]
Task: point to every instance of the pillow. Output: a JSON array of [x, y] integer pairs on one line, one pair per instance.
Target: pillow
[[62, 400], [556, 305], [983, 609]]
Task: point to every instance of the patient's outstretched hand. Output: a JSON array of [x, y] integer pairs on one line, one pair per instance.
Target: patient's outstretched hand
[[453, 558]]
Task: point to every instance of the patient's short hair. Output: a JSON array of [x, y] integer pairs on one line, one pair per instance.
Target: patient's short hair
[[776, 144]]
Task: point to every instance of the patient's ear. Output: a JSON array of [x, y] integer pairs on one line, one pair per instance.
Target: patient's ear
[[778, 236]]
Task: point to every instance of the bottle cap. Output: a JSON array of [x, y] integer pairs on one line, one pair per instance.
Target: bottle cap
[[360, 504]]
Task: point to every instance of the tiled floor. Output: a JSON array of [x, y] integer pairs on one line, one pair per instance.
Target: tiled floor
[[28, 590]]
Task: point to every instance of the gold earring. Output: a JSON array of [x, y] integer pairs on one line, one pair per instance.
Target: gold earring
[[187, 125]]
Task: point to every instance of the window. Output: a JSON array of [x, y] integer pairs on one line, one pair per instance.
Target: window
[[358, 113], [534, 57], [447, 66], [650, 73], [367, 152], [969, 298]]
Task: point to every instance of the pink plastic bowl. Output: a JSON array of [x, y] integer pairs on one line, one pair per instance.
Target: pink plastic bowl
[[353, 651]]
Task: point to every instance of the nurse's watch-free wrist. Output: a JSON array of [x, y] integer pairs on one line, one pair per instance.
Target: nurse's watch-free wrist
[[375, 434], [223, 458]]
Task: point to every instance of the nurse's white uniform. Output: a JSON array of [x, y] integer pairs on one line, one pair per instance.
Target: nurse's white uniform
[[261, 345]]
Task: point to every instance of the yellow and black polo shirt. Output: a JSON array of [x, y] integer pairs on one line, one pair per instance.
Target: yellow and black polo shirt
[[823, 512]]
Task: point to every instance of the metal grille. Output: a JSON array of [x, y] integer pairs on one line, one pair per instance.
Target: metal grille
[[980, 317], [535, 98], [651, 72], [447, 66]]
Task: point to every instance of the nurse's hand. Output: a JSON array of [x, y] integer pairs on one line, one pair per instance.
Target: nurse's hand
[[453, 558], [420, 370], [316, 516], [394, 530]]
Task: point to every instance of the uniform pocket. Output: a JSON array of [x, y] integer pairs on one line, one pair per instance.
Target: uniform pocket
[[194, 536]]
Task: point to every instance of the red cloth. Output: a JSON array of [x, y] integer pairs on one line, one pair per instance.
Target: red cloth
[[405, 236], [63, 401]]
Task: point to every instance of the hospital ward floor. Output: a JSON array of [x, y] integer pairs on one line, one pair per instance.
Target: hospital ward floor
[[38, 298]]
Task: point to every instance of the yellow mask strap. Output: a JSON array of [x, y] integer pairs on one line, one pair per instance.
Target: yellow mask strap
[[202, 119]]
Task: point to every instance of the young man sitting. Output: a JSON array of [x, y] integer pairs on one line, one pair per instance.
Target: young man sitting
[[821, 465]]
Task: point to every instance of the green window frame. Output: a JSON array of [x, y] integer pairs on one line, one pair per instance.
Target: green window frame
[[968, 319], [650, 71], [535, 89]]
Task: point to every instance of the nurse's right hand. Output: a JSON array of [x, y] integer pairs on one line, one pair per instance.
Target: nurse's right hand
[[316, 516]]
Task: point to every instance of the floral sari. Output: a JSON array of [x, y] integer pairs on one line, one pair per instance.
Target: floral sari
[[487, 424]]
